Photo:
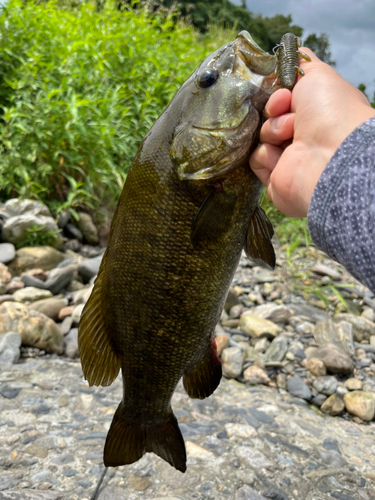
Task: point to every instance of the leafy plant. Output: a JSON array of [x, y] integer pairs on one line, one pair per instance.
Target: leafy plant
[[79, 90], [36, 235]]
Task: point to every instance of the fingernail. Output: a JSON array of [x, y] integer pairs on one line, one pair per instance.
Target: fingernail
[[278, 123]]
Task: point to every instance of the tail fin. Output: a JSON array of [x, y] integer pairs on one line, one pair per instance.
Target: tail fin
[[128, 441]]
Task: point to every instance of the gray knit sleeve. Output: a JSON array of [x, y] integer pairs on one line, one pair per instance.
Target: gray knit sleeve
[[341, 215]]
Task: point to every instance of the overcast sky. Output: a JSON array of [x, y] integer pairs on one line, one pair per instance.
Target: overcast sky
[[350, 25]]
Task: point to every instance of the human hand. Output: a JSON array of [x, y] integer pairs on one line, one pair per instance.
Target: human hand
[[304, 129]]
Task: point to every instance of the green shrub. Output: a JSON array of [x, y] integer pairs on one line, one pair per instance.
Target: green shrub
[[79, 89]]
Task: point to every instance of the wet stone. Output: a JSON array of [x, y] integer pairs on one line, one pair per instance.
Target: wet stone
[[277, 350], [232, 359], [7, 252], [325, 385], [335, 359], [275, 494], [247, 493], [9, 393], [360, 404], [298, 388], [333, 405]]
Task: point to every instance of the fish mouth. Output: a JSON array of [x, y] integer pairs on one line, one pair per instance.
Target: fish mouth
[[223, 129]]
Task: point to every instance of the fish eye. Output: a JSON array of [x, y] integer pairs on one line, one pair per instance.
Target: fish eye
[[208, 77]]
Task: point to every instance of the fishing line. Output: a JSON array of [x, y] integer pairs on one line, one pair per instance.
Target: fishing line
[[94, 495]]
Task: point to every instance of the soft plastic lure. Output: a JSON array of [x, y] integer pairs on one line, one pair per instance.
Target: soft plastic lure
[[287, 52]]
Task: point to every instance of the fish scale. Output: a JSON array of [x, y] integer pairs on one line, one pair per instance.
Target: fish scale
[[188, 208]]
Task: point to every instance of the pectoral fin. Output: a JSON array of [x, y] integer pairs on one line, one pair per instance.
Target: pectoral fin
[[213, 218], [259, 247]]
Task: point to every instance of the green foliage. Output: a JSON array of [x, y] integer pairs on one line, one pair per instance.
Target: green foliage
[[79, 90], [321, 47], [37, 236], [362, 88], [277, 26], [267, 31], [289, 231], [300, 278]]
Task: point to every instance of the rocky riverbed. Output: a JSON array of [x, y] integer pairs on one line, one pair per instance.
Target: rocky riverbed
[[292, 419]]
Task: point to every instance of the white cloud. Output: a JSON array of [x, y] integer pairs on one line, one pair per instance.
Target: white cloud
[[349, 25]]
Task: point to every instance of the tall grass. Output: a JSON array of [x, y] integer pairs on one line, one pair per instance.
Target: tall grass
[[79, 90]]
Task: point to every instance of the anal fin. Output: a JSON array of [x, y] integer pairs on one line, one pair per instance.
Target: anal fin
[[203, 379], [259, 246], [100, 363], [128, 441]]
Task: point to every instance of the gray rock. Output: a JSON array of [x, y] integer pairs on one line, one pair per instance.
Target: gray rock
[[363, 328], [339, 334], [60, 278], [335, 359], [7, 252], [326, 271], [44, 257], [50, 307], [17, 229], [319, 400], [40, 476], [275, 494], [73, 245], [63, 219], [88, 228], [89, 268], [66, 325], [273, 312], [247, 493], [82, 296], [10, 344], [277, 349], [262, 345], [231, 300], [254, 375], [298, 388], [31, 294], [232, 359], [6, 482], [325, 385], [29, 494], [71, 344], [333, 458], [16, 206], [314, 313], [3, 288], [236, 311], [36, 329], [6, 298], [73, 232], [32, 281], [262, 275], [77, 313]]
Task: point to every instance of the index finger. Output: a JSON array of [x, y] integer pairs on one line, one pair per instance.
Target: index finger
[[278, 104]]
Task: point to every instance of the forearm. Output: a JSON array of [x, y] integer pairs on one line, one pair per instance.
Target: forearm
[[341, 214]]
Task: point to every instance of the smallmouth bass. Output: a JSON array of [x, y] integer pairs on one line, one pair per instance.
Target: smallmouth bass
[[188, 208]]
